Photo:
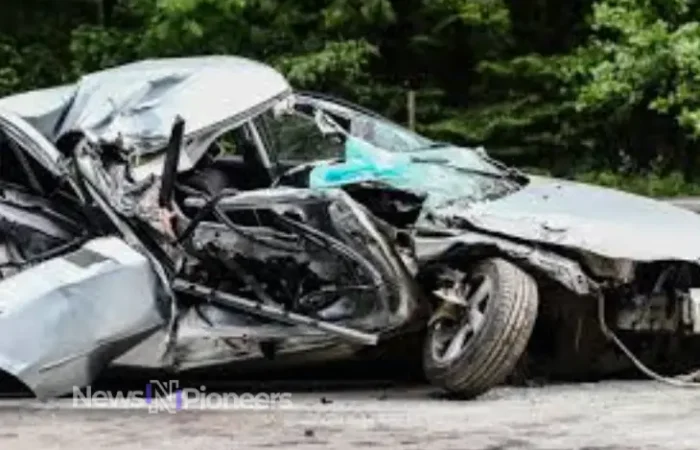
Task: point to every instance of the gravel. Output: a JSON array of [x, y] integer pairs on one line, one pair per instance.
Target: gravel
[[609, 415]]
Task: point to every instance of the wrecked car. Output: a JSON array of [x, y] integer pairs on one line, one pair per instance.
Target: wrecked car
[[148, 221], [186, 213], [617, 274]]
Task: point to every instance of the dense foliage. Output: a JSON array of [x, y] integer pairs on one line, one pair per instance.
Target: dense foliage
[[607, 88]]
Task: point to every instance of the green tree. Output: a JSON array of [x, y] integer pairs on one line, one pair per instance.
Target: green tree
[[644, 77], [566, 84]]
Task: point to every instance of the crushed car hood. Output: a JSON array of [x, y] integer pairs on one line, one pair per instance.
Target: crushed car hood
[[463, 191], [603, 221]]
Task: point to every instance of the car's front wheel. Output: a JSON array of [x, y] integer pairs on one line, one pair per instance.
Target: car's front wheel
[[476, 345]]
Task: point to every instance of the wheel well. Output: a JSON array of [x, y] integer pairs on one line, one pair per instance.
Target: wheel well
[[463, 257], [9, 384]]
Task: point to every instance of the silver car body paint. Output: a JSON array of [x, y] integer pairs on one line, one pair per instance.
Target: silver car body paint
[[605, 222], [63, 320]]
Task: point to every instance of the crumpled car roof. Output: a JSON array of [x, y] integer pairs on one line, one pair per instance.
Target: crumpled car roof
[[136, 104]]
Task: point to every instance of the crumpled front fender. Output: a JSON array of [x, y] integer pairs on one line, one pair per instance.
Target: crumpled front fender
[[564, 271]]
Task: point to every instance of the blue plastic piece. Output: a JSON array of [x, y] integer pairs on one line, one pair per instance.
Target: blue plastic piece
[[363, 162], [443, 175]]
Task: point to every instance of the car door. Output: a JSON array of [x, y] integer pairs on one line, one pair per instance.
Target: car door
[[72, 297]]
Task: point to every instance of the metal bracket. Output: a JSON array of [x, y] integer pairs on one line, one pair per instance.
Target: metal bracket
[[274, 312]]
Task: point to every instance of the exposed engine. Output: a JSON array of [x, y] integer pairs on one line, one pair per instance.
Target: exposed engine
[[312, 256], [663, 297]]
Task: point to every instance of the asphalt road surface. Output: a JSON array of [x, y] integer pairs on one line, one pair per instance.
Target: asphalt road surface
[[610, 415]]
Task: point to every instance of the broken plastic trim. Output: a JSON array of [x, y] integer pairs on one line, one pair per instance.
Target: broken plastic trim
[[273, 312]]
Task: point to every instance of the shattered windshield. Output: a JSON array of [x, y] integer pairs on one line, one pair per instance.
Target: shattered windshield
[[445, 176], [387, 135], [376, 149], [374, 129]]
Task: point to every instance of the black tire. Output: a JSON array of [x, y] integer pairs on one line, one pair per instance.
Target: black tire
[[493, 350]]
